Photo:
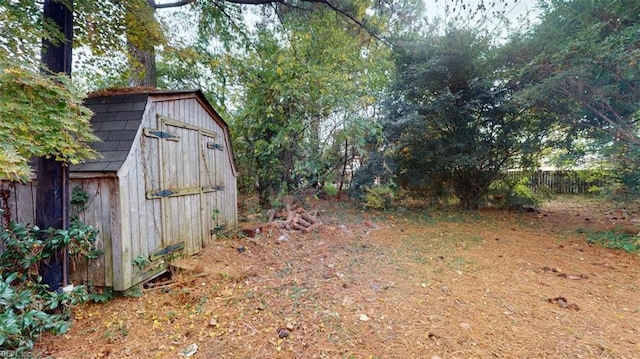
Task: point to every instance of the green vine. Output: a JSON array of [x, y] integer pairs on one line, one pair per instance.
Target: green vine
[[27, 306], [140, 261]]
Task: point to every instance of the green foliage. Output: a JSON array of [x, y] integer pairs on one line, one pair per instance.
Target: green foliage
[[78, 199], [22, 31], [27, 307], [604, 182], [330, 189], [306, 87], [79, 240], [580, 70], [133, 292], [451, 119], [26, 246], [513, 194], [141, 261], [99, 295], [379, 197], [26, 312], [40, 115], [616, 239], [378, 165]]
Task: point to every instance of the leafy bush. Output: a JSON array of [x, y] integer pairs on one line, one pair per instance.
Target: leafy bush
[[513, 194], [378, 197], [330, 189], [27, 307]]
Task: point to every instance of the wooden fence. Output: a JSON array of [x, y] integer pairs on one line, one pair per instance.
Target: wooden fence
[[573, 182]]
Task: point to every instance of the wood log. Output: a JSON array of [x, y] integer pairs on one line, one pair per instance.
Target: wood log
[[312, 227], [297, 227], [280, 224], [309, 218], [271, 214], [290, 214], [302, 222]]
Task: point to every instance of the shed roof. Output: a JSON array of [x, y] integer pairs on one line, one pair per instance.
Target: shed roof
[[117, 117], [115, 121]]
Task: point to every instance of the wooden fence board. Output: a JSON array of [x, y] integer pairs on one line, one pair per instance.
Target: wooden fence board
[[560, 182]]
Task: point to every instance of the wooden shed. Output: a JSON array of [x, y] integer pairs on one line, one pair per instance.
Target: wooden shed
[[164, 186]]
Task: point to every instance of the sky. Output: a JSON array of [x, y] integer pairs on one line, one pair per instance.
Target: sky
[[513, 8]]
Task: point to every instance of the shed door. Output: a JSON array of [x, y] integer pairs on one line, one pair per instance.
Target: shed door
[[210, 184], [187, 185], [181, 178]]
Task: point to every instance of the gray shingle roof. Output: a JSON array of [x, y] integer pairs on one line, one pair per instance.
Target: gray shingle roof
[[116, 119]]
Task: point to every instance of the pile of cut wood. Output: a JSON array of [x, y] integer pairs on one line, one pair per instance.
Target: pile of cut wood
[[290, 219], [295, 218]]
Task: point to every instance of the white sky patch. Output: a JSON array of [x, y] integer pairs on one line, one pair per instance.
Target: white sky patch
[[520, 14], [513, 9]]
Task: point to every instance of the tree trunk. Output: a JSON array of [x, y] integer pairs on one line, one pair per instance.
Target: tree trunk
[[141, 41], [142, 66], [344, 167], [52, 192]]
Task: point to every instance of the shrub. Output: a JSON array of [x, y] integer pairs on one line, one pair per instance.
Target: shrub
[[513, 194], [330, 189], [378, 197], [27, 307]]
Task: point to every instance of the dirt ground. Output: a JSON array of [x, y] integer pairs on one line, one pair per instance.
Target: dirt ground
[[413, 283]]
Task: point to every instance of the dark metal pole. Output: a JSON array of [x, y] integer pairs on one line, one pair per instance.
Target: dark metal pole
[[52, 193]]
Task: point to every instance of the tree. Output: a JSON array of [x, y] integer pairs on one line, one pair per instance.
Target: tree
[[40, 115], [581, 67], [218, 23], [451, 119], [308, 71]]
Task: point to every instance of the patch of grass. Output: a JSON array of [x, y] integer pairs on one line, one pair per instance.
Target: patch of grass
[[360, 248], [417, 215], [615, 239], [463, 263], [297, 292]]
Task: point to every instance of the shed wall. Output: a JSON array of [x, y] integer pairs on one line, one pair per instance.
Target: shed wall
[[19, 199], [134, 223]]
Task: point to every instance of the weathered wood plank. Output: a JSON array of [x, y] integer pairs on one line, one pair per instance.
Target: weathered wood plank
[[137, 237], [107, 186], [163, 252], [122, 255], [79, 266]]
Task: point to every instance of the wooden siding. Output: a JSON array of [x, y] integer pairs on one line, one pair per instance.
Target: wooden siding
[[18, 200], [134, 217], [97, 213], [216, 209]]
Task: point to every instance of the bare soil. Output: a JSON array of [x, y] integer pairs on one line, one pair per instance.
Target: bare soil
[[415, 283]]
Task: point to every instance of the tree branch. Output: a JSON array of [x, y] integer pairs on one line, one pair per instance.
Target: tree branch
[[325, 2], [179, 3]]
